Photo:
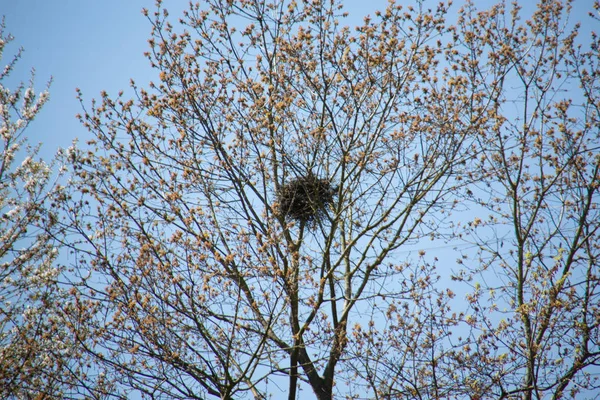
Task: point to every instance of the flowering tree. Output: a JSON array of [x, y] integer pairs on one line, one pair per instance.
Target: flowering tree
[[246, 227], [27, 253], [38, 354]]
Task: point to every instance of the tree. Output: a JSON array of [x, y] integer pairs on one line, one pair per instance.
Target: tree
[[39, 358], [539, 243], [250, 225], [29, 335]]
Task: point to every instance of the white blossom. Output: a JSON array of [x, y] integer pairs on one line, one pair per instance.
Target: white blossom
[[20, 123], [11, 213]]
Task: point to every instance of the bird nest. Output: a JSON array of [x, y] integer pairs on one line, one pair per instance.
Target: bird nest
[[305, 199]]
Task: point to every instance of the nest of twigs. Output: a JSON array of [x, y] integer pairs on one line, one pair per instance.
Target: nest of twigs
[[305, 199]]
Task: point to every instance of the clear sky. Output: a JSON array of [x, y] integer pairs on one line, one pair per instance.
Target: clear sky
[[98, 45], [94, 45], [91, 44]]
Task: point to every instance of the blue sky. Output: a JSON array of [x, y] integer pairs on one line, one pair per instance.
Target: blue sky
[[93, 45], [98, 45]]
